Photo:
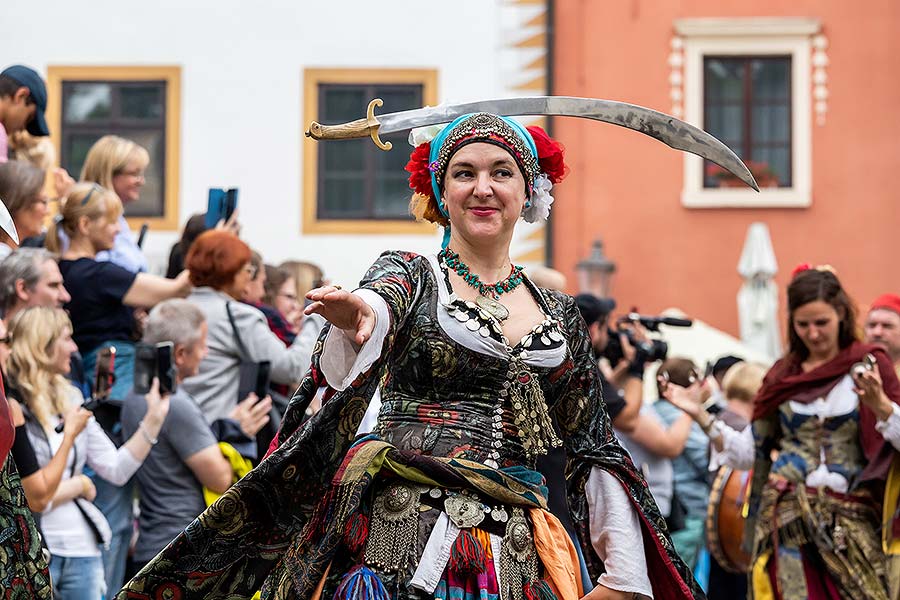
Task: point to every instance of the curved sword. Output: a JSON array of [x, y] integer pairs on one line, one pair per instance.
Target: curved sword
[[673, 132]]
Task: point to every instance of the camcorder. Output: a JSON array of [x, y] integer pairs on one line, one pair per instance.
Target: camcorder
[[652, 349]]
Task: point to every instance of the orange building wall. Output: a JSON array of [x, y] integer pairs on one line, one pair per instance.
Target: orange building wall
[[625, 187]]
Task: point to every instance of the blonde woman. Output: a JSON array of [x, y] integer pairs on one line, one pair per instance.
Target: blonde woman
[[306, 275], [104, 295], [73, 528], [119, 165], [40, 152]]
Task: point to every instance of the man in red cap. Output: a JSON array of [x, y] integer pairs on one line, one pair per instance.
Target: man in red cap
[[883, 326]]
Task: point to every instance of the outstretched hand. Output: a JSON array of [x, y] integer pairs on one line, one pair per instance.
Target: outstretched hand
[[688, 399], [343, 310]]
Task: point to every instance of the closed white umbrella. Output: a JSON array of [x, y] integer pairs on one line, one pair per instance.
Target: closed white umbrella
[[758, 297]]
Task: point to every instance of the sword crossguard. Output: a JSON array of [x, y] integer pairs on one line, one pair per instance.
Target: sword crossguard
[[374, 124], [352, 130]]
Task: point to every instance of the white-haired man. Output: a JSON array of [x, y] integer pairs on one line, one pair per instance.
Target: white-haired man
[[186, 456]]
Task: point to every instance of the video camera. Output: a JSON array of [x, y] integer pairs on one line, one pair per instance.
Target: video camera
[[652, 349]]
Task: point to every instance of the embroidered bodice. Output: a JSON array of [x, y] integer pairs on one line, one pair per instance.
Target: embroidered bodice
[[821, 439], [454, 381]]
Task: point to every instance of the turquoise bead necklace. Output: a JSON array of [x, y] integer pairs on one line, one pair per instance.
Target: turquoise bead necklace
[[488, 293]]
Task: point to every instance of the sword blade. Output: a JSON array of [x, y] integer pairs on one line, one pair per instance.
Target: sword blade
[[673, 132], [6, 223]]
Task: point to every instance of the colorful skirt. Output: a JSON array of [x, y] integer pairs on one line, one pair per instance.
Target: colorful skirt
[[402, 525], [813, 543]]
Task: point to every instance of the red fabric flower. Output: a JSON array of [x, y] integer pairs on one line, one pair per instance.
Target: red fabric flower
[[800, 268], [551, 154], [419, 175]]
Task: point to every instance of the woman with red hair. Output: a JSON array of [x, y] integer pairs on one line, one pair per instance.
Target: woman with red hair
[[220, 267]]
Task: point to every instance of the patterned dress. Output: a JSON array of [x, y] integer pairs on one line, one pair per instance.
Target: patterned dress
[[24, 574], [457, 425], [815, 515]]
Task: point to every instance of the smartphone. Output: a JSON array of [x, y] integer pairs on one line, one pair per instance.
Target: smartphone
[[262, 378], [144, 367], [165, 367], [143, 234], [220, 205], [104, 375]]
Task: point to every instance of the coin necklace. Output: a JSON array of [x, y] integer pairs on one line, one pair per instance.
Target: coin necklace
[[488, 293]]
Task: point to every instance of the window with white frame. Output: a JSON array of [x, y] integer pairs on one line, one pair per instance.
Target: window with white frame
[[748, 82]]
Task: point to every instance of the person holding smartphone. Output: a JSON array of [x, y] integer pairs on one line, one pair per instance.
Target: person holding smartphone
[[73, 527], [104, 298], [818, 508], [187, 456]]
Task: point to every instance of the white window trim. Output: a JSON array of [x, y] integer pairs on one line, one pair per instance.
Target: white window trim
[[722, 37]]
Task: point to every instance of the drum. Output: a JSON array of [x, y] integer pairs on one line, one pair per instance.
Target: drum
[[725, 520]]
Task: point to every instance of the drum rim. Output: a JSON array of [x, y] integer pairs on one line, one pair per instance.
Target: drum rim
[[713, 542]]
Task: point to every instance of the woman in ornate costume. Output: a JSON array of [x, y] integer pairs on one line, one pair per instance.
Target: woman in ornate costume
[[442, 500], [829, 409]]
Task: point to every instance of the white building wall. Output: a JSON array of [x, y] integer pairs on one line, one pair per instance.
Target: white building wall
[[242, 77]]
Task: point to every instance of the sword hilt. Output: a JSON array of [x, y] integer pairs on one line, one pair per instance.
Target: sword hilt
[[359, 128]]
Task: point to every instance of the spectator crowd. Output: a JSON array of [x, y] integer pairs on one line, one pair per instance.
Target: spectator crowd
[[113, 475]]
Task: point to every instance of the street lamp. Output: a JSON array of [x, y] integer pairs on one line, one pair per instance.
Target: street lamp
[[595, 272]]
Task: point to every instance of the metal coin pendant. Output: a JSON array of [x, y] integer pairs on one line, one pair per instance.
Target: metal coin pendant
[[494, 308], [464, 511]]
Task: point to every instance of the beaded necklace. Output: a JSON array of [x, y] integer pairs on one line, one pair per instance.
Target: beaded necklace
[[488, 293]]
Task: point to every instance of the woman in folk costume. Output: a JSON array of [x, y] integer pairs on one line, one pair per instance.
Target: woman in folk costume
[[473, 361], [829, 411]]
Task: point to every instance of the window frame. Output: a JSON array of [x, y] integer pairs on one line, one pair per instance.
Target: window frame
[[313, 78], [171, 75], [748, 106], [750, 37]]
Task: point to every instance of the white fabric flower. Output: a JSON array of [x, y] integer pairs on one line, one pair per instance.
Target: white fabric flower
[[540, 200], [421, 135]]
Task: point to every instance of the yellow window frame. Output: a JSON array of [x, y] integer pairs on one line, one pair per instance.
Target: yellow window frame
[[57, 74], [312, 79]]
